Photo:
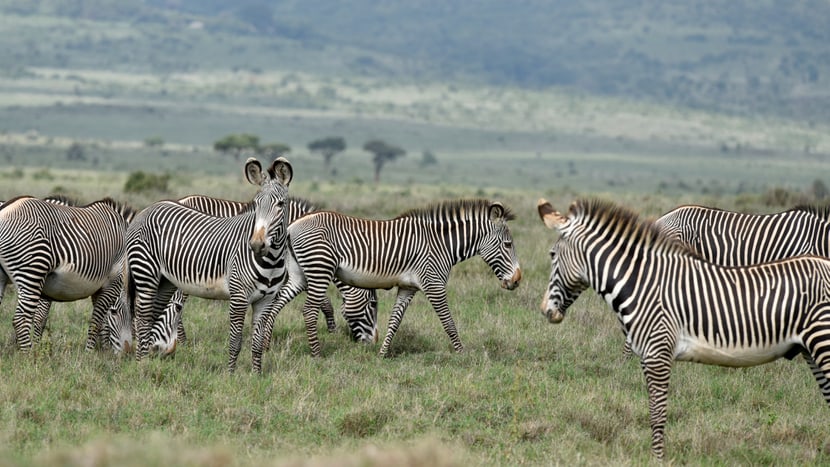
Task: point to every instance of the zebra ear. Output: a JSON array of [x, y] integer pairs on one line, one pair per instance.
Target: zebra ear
[[281, 169], [496, 211], [253, 171], [551, 217]]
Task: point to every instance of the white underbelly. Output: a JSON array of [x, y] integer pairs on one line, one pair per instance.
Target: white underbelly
[[214, 289], [368, 280], [66, 286], [691, 348]]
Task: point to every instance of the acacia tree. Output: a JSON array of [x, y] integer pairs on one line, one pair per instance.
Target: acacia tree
[[273, 150], [328, 148], [382, 152], [236, 144]]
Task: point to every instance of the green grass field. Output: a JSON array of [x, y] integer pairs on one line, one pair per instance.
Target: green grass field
[[522, 392]]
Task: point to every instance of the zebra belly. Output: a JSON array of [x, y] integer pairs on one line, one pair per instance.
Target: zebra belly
[[65, 285], [213, 289], [693, 349], [368, 280]]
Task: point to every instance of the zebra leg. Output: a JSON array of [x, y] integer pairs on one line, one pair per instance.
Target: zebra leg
[[238, 308], [264, 326], [817, 341], [328, 312], [40, 318], [401, 302], [657, 369], [438, 298], [22, 320]]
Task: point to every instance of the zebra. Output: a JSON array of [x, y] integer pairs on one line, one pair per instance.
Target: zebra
[[675, 305], [414, 251], [359, 307], [736, 239], [239, 258], [732, 238], [55, 250]]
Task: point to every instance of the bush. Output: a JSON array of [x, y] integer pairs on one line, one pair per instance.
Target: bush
[[142, 182]]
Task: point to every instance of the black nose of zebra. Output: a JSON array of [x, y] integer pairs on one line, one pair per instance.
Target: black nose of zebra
[[513, 282]]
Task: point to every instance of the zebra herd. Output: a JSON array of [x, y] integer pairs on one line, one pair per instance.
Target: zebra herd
[[697, 284]]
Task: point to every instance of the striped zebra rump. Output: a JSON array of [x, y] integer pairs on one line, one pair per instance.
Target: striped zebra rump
[[55, 250]]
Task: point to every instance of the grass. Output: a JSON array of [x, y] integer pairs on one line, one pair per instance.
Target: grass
[[522, 392]]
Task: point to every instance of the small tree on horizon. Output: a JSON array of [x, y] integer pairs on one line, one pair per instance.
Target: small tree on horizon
[[236, 144], [382, 153], [328, 148]]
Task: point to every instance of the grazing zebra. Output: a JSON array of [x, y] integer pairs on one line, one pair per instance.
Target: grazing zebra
[[359, 303], [54, 250], [238, 258], [736, 239], [674, 305], [414, 251]]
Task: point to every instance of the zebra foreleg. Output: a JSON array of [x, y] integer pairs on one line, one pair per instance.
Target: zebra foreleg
[[264, 326], [818, 356], [238, 309], [395, 318]]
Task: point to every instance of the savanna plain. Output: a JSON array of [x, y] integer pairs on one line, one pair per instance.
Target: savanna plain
[[523, 392]]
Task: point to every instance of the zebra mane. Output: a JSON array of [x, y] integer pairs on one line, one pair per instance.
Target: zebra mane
[[451, 207], [821, 211], [645, 231]]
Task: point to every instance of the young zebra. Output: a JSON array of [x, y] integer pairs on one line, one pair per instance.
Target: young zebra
[[54, 250], [414, 251], [674, 305], [359, 306], [239, 258]]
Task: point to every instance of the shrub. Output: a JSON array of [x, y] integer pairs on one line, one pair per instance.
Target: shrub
[[142, 182]]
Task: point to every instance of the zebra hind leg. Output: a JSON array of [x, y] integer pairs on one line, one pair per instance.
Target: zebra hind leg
[[328, 311], [22, 321], [395, 318], [818, 356], [40, 318]]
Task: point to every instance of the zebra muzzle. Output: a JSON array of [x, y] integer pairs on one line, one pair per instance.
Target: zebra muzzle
[[554, 316], [257, 243], [513, 282]]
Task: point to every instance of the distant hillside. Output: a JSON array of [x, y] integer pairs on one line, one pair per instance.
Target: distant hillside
[[741, 56]]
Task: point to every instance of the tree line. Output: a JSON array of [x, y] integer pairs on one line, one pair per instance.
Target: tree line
[[382, 152]]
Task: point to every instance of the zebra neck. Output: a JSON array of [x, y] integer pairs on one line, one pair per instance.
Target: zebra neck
[[614, 277]]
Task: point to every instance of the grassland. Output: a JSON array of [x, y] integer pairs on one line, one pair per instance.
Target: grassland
[[522, 392]]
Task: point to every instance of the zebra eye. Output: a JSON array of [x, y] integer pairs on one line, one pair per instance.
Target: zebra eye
[[281, 203], [508, 244]]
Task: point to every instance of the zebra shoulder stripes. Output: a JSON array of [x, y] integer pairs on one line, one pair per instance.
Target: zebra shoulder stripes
[[414, 251], [238, 258], [357, 302], [674, 305], [55, 251]]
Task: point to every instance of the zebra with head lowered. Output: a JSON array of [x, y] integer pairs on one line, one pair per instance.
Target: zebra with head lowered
[[238, 258], [414, 251], [359, 306], [675, 305], [54, 250]]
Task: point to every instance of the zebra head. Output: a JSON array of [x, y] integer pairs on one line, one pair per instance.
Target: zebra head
[[268, 204], [496, 247], [360, 308], [164, 335], [120, 323], [567, 279]]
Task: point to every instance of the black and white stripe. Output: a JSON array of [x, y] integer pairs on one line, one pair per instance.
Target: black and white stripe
[[239, 258], [54, 250], [414, 251], [168, 330], [675, 305]]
